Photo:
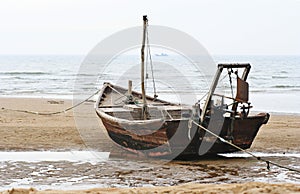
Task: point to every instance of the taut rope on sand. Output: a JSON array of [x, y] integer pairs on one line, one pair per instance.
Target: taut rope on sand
[[54, 113], [268, 162]]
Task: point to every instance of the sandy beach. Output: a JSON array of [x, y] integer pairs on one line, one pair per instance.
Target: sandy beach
[[23, 131], [32, 132]]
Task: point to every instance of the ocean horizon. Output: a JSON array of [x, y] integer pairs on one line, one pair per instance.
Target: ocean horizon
[[274, 79]]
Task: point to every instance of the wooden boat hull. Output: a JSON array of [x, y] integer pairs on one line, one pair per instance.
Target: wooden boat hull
[[173, 137], [243, 135]]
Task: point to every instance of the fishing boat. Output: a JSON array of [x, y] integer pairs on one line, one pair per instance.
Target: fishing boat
[[151, 127]]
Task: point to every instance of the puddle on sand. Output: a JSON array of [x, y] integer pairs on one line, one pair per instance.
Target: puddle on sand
[[72, 156], [260, 154], [85, 169]]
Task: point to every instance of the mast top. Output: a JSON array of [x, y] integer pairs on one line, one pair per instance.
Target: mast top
[[145, 18]]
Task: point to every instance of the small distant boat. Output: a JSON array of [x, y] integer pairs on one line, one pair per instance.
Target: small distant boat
[[161, 55], [152, 127]]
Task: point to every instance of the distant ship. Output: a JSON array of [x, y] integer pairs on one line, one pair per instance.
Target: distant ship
[[161, 55]]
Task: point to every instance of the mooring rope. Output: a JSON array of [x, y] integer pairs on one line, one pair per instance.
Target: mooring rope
[[268, 162], [53, 113], [116, 91]]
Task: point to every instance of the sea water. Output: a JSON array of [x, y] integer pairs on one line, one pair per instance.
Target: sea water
[[274, 80]]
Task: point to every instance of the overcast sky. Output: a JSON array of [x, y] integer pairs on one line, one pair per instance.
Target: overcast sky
[[236, 27]]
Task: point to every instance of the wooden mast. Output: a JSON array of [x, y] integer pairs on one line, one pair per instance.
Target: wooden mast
[[145, 108]]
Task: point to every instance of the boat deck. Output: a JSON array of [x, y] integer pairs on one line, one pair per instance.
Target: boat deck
[[156, 111]]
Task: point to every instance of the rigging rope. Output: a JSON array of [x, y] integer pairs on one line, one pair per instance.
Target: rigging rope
[[54, 113], [151, 64], [124, 95], [116, 91], [251, 154]]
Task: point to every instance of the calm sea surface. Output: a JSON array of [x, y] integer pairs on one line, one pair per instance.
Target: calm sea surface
[[274, 80]]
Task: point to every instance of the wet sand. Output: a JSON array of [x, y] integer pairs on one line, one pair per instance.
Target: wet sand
[[31, 132], [249, 188]]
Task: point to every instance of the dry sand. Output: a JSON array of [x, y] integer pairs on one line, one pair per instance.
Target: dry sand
[[26, 132], [22, 131]]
